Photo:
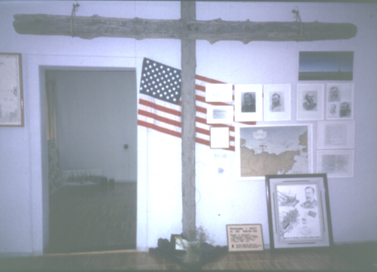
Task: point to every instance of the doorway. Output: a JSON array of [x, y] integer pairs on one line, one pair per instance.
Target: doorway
[[92, 149]]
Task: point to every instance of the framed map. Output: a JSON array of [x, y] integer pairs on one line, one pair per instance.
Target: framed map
[[11, 96], [273, 150], [298, 211]]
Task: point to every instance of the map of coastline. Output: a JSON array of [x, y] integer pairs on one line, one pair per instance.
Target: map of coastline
[[273, 150]]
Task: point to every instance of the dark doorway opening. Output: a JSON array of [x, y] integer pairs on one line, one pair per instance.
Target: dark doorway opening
[[92, 128]]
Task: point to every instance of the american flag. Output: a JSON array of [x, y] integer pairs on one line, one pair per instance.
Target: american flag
[[160, 106]]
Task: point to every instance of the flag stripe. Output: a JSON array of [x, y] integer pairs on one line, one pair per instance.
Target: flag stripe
[[160, 108], [159, 118], [158, 128]]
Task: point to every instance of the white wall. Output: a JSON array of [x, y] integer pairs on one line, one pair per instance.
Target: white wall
[[220, 202]]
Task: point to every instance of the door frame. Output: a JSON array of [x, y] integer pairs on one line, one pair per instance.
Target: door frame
[[36, 97]]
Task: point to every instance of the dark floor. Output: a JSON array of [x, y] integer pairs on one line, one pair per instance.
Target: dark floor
[[93, 218], [359, 257]]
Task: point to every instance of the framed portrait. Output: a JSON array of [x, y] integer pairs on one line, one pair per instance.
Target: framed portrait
[[248, 102], [277, 102], [309, 102], [220, 114], [326, 65], [336, 163], [219, 137], [335, 134], [218, 92], [339, 101], [11, 94], [298, 211], [273, 150], [244, 237]]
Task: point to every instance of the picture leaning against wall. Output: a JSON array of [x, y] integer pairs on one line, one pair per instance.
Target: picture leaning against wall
[[273, 150], [298, 211]]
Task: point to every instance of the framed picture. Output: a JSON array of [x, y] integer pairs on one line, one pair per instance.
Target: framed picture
[[310, 102], [339, 101], [248, 102], [219, 137], [218, 92], [336, 134], [330, 65], [244, 237], [336, 163], [11, 95], [298, 211], [277, 102], [220, 114], [273, 150]]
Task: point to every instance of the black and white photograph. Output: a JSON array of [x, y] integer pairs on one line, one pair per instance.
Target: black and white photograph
[[277, 102], [310, 101], [335, 163], [219, 114], [326, 65], [339, 99], [248, 102], [299, 215], [335, 134], [217, 92]]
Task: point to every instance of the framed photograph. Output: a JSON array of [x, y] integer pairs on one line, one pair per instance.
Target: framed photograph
[[11, 94], [298, 211], [248, 102], [339, 101], [331, 65], [273, 150], [277, 102], [244, 237], [218, 92], [309, 102], [220, 114], [336, 134], [219, 137], [336, 163]]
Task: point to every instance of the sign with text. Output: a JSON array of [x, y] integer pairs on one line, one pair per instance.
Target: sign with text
[[244, 237]]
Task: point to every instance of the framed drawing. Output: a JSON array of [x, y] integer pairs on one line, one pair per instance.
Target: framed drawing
[[273, 150], [335, 134], [244, 237], [309, 102], [219, 92], [298, 211], [219, 137], [11, 95], [339, 101], [336, 163], [248, 102], [277, 102], [219, 114]]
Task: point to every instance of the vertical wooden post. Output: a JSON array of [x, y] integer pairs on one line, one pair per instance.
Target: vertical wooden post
[[188, 62]]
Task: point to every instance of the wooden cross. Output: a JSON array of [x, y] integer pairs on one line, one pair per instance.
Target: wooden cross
[[188, 30]]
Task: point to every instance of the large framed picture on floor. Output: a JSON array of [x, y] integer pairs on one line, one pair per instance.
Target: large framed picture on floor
[[298, 211]]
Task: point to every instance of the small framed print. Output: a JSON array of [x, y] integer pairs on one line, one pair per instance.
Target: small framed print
[[336, 163], [310, 102], [219, 114], [248, 102], [339, 100], [244, 237], [219, 92], [11, 94], [298, 211], [336, 134], [219, 137], [277, 102]]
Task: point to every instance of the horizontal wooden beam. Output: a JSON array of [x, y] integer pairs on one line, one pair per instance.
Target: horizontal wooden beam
[[212, 31]]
